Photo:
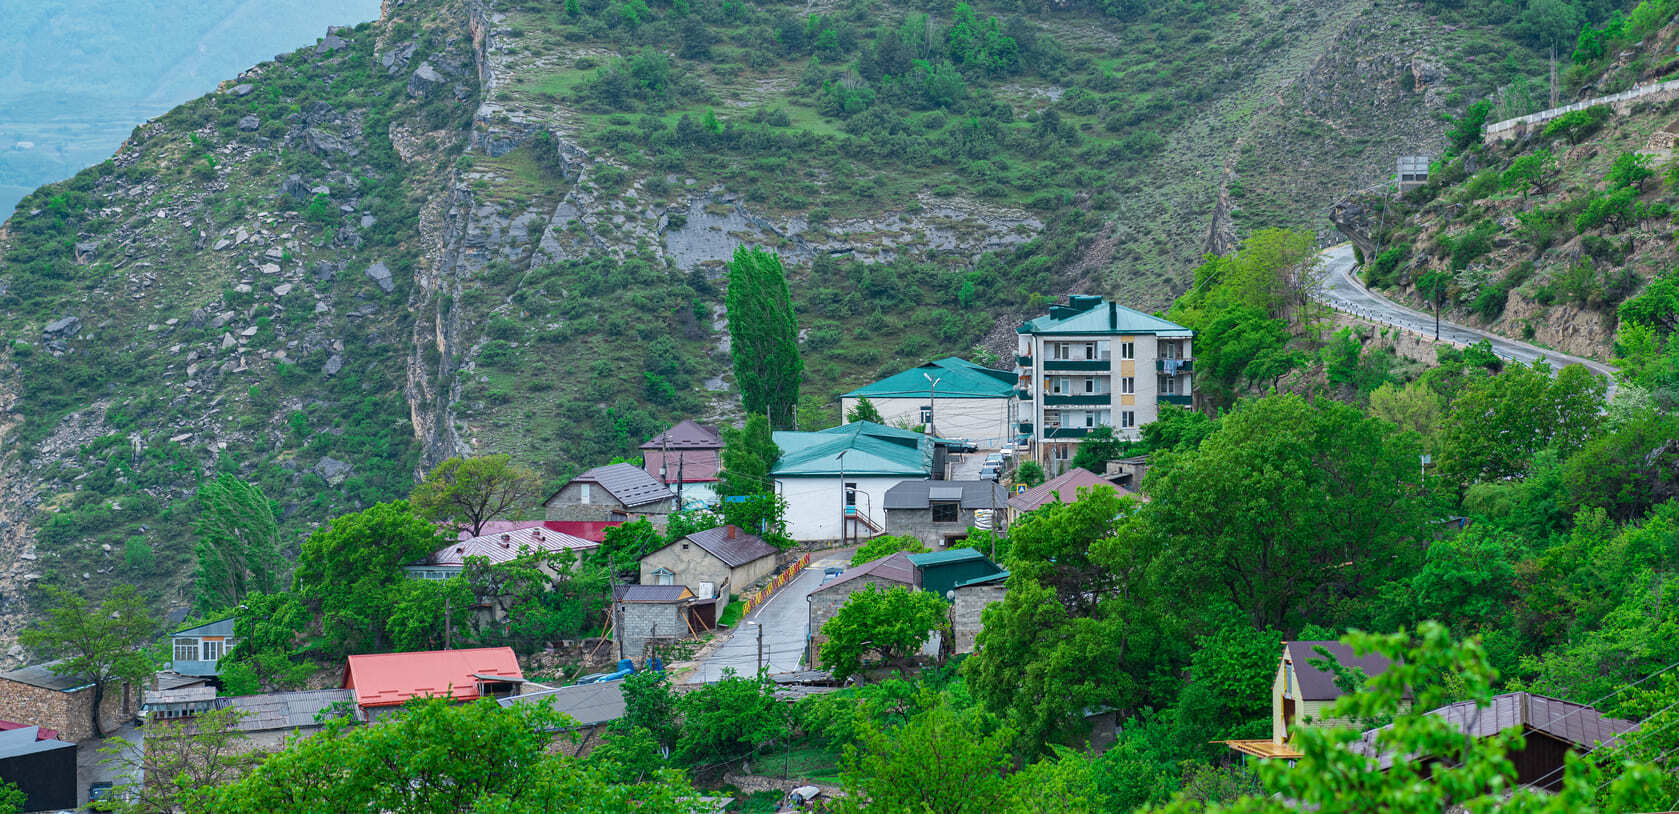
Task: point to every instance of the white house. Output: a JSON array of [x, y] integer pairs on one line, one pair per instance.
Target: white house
[[958, 398], [844, 472]]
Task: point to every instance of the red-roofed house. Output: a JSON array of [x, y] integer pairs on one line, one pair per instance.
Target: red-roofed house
[[686, 458], [384, 681], [1064, 487], [592, 530]]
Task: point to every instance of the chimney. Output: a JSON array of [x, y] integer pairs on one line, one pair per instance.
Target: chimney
[[1113, 316], [505, 538], [733, 532], [460, 549]]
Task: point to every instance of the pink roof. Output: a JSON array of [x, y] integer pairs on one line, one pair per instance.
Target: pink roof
[[388, 679], [688, 465], [497, 527], [505, 545], [1063, 487]]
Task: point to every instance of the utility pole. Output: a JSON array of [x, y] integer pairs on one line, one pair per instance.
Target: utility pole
[[1553, 75], [760, 648], [932, 385], [843, 504], [680, 460], [448, 625]]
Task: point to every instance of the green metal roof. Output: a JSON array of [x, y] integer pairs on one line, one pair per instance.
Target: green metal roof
[[997, 577], [958, 379], [1085, 314], [946, 557], [869, 448]]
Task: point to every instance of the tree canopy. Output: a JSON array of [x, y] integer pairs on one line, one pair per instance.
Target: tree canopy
[[473, 491], [97, 642], [763, 336]]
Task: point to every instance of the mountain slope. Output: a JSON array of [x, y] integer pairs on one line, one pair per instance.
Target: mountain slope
[[479, 227]]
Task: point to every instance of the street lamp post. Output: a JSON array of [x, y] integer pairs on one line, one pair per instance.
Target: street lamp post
[[841, 458], [760, 645], [932, 386]]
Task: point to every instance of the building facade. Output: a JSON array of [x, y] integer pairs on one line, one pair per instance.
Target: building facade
[[196, 651], [940, 513], [687, 459], [712, 563], [967, 609], [958, 398], [1092, 363], [612, 493], [835, 481], [38, 696]]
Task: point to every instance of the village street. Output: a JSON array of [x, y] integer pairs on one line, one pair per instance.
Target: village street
[[784, 620]]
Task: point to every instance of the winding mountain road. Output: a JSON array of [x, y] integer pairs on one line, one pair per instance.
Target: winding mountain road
[[1343, 291]]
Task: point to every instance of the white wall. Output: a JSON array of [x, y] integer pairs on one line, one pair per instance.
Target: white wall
[[813, 504], [986, 422], [705, 492]]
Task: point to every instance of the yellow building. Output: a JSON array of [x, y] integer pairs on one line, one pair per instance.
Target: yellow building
[[1301, 694]]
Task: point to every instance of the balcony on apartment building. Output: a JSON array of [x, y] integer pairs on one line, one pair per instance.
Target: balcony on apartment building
[[1078, 364], [1175, 366], [1102, 399], [1169, 398], [1066, 432]]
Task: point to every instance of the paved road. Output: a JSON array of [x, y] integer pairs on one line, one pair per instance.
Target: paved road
[[91, 766], [785, 620], [1342, 290]]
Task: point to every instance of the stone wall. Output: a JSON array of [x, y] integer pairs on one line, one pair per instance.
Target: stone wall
[[67, 712], [918, 523], [691, 565], [644, 622], [970, 602]]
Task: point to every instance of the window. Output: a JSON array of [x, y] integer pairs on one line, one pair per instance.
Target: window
[[1104, 350], [664, 577], [1058, 350], [1090, 350], [1127, 385], [926, 413], [851, 494], [1063, 452], [212, 650], [1169, 385], [1089, 419], [945, 512], [1127, 418], [1127, 350], [186, 650], [583, 490]]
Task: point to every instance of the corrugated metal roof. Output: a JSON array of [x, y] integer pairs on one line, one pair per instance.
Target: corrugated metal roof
[[626, 482], [1577, 724], [1064, 487], [587, 704], [42, 675], [287, 710], [185, 695], [28, 741], [734, 551], [893, 567], [869, 448], [963, 554], [1000, 576], [918, 494], [654, 593], [1318, 685], [388, 679], [221, 627], [1097, 316], [508, 545], [687, 434], [958, 379]]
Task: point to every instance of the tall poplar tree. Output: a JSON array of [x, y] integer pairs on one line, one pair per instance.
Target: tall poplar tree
[[764, 336]]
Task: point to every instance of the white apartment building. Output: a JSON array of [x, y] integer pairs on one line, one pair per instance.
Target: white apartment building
[[1092, 363]]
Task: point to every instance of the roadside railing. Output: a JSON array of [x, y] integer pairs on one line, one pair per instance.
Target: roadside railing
[[762, 595]]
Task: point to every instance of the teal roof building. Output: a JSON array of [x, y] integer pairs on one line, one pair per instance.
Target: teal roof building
[[952, 397], [958, 379], [868, 449]]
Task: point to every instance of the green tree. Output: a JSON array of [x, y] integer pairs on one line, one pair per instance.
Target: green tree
[[1630, 170], [99, 644], [473, 491], [893, 623], [1412, 408], [238, 544], [348, 572], [1497, 424], [749, 453], [424, 613], [269, 628], [12, 798], [623, 546], [1228, 691], [1030, 473], [864, 410], [1532, 172], [1098, 447], [438, 757], [729, 720], [649, 705], [885, 545], [1177, 428], [1465, 132], [1288, 504], [943, 761], [181, 763], [763, 335]]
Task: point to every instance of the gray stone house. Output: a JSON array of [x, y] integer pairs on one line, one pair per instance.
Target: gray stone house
[[64, 703], [971, 599], [713, 563], [892, 571], [649, 614], [939, 513], [612, 492]]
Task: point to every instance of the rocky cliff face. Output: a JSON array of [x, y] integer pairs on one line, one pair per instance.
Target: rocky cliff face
[[431, 236]]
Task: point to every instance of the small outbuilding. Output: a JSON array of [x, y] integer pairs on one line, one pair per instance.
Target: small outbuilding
[[39, 765], [972, 597], [891, 571], [1301, 694], [940, 512], [613, 492], [941, 571], [385, 681], [645, 615], [591, 706], [40, 696], [713, 563]]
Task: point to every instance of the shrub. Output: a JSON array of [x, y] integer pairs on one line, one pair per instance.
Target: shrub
[[1576, 125], [1615, 209]]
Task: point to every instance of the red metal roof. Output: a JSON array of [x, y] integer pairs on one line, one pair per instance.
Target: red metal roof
[[40, 735], [592, 530], [389, 679], [687, 434]]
